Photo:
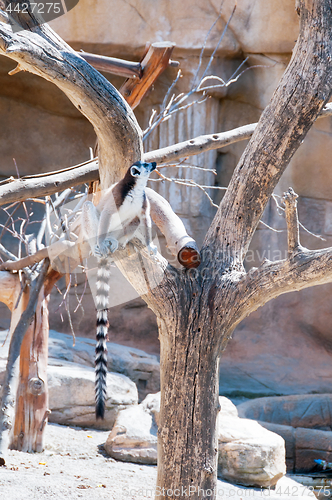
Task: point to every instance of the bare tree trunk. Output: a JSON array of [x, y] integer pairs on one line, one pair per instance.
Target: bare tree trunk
[[187, 439]]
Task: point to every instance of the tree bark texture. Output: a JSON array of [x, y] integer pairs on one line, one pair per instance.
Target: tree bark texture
[[187, 437]]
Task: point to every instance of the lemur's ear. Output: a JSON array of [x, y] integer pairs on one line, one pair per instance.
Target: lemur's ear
[[134, 171]]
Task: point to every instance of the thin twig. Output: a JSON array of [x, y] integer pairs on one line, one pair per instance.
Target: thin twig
[[204, 45], [272, 228]]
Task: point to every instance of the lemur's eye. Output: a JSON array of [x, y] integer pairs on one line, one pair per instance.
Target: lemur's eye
[[135, 172]]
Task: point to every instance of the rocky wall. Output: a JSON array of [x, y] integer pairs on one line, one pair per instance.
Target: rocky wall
[[284, 347]]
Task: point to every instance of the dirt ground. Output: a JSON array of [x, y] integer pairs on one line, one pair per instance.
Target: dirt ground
[[74, 466]]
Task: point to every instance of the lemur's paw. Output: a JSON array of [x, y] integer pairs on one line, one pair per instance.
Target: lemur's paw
[[96, 252], [111, 244]]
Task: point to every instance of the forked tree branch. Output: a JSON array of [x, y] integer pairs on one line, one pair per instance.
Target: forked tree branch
[[303, 268], [297, 101]]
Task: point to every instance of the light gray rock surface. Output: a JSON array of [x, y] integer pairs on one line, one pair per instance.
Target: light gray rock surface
[[134, 435], [72, 396], [71, 379], [313, 411], [140, 367], [303, 421], [248, 453]]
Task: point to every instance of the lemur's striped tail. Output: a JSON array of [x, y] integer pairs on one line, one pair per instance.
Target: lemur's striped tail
[[103, 275]]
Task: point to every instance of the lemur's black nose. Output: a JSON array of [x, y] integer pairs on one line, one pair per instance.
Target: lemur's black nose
[[153, 166]]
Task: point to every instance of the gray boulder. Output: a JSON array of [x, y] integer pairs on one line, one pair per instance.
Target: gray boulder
[[72, 398], [140, 367], [313, 411], [134, 435], [248, 453], [303, 421]]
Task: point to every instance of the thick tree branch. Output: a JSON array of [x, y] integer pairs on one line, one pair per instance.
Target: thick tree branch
[[45, 54], [35, 186], [200, 144], [300, 96], [30, 260], [303, 269]]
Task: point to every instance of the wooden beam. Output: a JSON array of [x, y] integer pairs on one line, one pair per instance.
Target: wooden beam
[[153, 64], [116, 66]]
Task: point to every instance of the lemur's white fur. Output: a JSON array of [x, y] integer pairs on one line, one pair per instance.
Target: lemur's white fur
[[122, 213]]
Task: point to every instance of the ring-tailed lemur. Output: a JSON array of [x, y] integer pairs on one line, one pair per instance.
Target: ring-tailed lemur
[[110, 225]]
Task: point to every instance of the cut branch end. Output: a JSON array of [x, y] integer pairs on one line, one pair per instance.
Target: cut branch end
[[290, 200]]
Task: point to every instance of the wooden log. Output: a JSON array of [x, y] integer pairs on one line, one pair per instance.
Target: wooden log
[[9, 289], [21, 322], [31, 410], [113, 65], [153, 64], [172, 227]]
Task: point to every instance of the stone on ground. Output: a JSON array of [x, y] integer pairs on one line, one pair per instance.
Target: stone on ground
[[72, 397]]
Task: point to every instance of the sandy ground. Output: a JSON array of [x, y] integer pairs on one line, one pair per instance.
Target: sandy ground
[[74, 465]]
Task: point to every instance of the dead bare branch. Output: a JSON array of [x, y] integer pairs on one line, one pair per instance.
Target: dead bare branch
[[46, 184], [43, 53], [290, 200]]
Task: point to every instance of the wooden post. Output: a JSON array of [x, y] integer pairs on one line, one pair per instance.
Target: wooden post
[[31, 410], [153, 64]]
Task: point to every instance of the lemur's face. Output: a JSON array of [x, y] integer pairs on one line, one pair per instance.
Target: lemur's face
[[142, 169]]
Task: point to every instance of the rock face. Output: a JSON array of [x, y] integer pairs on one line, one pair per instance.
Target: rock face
[[141, 368], [285, 347], [248, 453], [71, 379], [303, 421], [313, 411]]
